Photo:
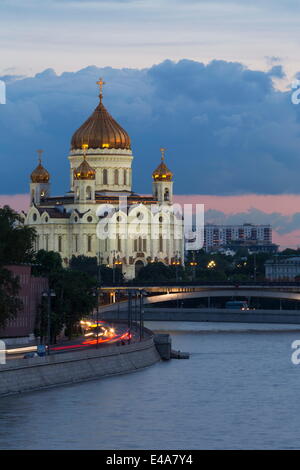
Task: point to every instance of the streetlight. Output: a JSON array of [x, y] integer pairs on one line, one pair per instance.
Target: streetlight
[[212, 264], [142, 294], [193, 264], [116, 263], [176, 263], [98, 295], [48, 293]]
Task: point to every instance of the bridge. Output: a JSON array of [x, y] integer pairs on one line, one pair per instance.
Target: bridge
[[165, 292]]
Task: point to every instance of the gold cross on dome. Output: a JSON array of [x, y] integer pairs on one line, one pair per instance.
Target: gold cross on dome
[[40, 153], [84, 148], [101, 82], [163, 153]]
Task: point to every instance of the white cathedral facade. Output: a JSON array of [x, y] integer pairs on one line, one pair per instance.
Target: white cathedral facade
[[101, 216]]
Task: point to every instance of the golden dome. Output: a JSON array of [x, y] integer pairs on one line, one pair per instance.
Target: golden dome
[[162, 172], [100, 130], [84, 171], [40, 174]]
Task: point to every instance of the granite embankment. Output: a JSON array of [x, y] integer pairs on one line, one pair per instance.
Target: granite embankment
[[211, 315], [25, 375]]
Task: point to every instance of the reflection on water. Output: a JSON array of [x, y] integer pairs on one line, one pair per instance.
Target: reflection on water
[[238, 390]]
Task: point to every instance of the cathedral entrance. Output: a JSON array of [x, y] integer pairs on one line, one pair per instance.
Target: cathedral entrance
[[138, 266]]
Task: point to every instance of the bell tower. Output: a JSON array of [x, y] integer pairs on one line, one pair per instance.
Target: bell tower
[[162, 186], [40, 182], [84, 180]]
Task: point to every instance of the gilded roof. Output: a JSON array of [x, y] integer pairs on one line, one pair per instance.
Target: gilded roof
[[100, 130], [162, 172], [84, 171], [40, 174]]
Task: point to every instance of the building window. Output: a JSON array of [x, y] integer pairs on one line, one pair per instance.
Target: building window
[[119, 243], [105, 176], [47, 242], [60, 243], [161, 246], [139, 244], [76, 243], [125, 177], [116, 177], [89, 243], [88, 193], [166, 195]]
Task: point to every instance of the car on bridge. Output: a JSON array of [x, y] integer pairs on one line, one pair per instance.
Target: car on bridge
[[237, 305]]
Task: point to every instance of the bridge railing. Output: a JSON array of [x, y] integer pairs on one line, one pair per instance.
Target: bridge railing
[[133, 284]]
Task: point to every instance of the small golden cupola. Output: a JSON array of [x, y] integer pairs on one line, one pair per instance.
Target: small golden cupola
[[100, 130], [40, 174], [84, 171], [162, 172]]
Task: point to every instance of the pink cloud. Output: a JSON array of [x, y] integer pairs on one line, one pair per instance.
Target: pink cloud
[[18, 202], [286, 204]]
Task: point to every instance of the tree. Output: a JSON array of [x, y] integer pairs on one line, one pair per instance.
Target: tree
[[86, 264], [74, 297], [10, 303], [155, 272], [16, 240], [89, 265], [16, 246], [46, 263]]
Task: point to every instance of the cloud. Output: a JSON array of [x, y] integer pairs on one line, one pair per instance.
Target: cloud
[[285, 219], [277, 71], [226, 128]]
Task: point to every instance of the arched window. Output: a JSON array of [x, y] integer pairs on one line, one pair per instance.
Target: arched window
[[116, 177], [161, 246], [89, 243], [89, 193], [138, 266], [59, 243], [119, 243], [105, 176], [76, 243], [125, 177], [32, 195], [166, 195]]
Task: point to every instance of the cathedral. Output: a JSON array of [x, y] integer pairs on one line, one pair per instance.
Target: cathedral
[[101, 216]]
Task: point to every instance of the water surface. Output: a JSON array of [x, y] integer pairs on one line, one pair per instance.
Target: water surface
[[239, 390]]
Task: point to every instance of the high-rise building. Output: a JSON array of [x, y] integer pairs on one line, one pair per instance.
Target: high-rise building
[[254, 237]]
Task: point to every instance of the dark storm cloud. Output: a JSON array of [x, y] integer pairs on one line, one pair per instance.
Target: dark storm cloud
[[225, 127]]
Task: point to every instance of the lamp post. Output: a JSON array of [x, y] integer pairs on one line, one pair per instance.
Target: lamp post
[[193, 264], [142, 293], [129, 313], [176, 263], [48, 293], [98, 295], [118, 262]]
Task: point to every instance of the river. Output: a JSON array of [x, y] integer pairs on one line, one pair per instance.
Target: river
[[238, 390]]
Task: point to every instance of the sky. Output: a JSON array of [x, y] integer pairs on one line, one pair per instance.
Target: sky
[[209, 80]]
